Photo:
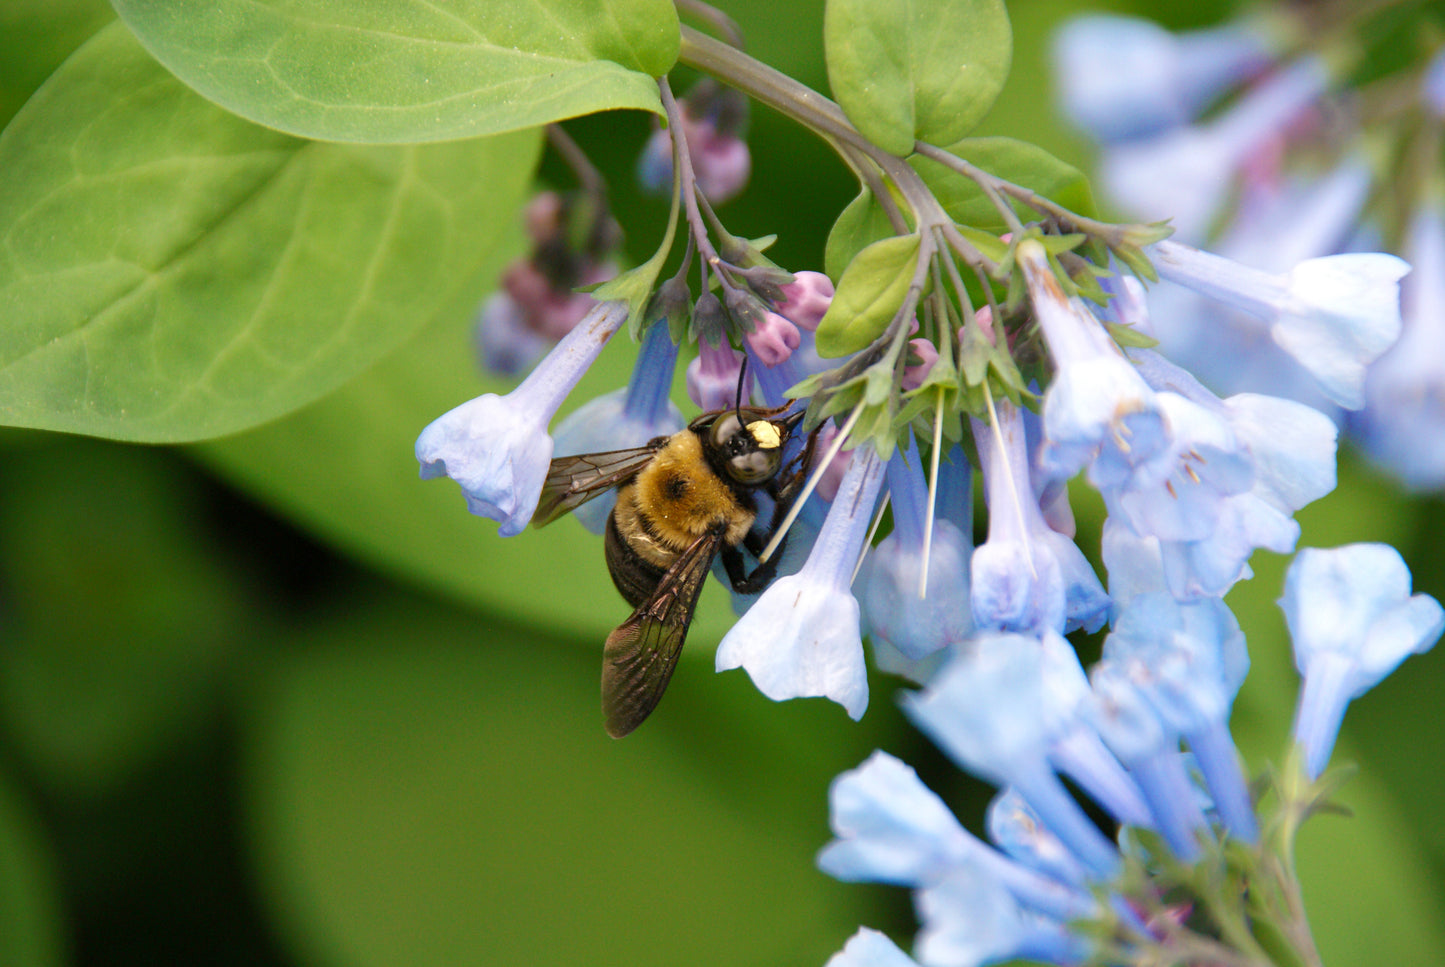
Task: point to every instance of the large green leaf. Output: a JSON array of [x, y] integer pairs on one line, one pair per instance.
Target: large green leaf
[[402, 71], [35, 36], [925, 70], [172, 272], [1016, 161], [861, 223]]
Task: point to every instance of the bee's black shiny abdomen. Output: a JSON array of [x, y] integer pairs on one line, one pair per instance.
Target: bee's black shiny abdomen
[[634, 577]]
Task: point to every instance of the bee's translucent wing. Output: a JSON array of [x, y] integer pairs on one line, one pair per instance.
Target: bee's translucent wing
[[639, 658], [572, 481]]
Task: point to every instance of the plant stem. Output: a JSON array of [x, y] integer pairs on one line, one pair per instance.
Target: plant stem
[[706, 12]]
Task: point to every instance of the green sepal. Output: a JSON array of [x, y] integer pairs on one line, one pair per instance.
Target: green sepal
[[1129, 337], [635, 285], [1056, 245], [1136, 261], [989, 245]]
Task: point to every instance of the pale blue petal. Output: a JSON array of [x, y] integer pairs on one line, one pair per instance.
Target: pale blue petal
[[891, 828], [497, 451], [1343, 314], [1122, 77], [869, 948], [970, 918]]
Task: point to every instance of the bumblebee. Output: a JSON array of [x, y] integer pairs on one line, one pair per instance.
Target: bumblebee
[[682, 500]]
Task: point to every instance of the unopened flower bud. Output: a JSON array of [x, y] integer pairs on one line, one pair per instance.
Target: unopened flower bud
[[807, 298], [709, 320], [927, 353], [773, 339], [712, 378]]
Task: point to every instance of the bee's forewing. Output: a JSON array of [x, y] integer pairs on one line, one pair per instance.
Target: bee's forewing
[[572, 481], [640, 656]]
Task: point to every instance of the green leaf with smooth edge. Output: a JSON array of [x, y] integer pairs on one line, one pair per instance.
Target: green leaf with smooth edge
[[868, 296], [31, 934], [35, 37], [1017, 161], [404, 71], [170, 272], [861, 223], [916, 70]]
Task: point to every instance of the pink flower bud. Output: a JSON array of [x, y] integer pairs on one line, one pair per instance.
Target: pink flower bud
[[720, 162], [543, 217], [525, 283], [913, 376], [807, 299], [712, 378], [773, 340]]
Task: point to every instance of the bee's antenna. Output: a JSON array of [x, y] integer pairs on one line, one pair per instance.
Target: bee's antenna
[[742, 381]]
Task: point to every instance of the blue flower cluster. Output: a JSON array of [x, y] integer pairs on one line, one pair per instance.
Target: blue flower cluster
[[1145, 733], [1280, 156], [1044, 371]]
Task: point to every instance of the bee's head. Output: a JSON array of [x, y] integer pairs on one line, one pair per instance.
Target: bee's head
[[749, 446]]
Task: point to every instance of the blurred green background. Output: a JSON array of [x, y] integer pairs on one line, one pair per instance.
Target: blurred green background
[[274, 701]]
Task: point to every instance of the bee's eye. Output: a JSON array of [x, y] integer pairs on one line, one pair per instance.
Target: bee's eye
[[748, 462], [755, 466]]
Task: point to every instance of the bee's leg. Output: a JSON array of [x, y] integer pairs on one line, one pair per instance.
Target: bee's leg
[[801, 462], [742, 581]]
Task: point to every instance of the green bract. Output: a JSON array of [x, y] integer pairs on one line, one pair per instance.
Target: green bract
[[868, 295], [400, 71], [173, 272], [925, 70]]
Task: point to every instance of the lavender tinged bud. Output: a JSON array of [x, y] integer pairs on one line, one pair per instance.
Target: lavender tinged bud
[[672, 303], [709, 320], [745, 309]]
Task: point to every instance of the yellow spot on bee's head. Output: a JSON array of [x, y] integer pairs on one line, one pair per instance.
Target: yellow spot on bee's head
[[766, 434]]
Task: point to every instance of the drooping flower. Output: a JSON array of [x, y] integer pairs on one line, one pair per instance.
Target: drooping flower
[[1188, 662], [898, 611], [801, 637], [1353, 620], [497, 447], [1335, 315], [999, 709], [1026, 576], [1233, 476], [628, 417], [1098, 412], [1185, 172], [1121, 78]]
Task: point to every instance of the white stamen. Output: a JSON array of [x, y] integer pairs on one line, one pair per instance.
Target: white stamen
[[932, 497], [1008, 471], [802, 498], [868, 541]]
